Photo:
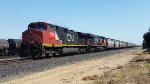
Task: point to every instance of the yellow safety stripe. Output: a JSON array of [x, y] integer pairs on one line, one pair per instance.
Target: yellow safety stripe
[[62, 45]]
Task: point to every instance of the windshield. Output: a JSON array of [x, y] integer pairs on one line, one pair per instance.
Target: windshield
[[38, 26]]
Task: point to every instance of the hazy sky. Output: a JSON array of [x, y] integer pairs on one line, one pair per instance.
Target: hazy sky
[[119, 19]]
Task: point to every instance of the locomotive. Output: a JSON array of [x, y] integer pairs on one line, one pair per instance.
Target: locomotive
[[146, 41], [10, 46], [45, 39]]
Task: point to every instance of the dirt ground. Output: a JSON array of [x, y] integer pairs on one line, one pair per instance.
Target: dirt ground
[[75, 73]]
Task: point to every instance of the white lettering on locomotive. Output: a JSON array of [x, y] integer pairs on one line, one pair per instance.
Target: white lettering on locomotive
[[96, 41], [56, 36], [70, 37]]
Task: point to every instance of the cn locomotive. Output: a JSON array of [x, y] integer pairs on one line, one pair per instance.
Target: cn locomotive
[[45, 39]]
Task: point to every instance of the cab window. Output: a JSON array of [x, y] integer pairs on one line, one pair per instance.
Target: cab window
[[41, 26], [49, 27], [38, 26]]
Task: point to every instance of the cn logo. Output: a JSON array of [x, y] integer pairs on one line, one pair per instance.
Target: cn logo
[[70, 37], [52, 34]]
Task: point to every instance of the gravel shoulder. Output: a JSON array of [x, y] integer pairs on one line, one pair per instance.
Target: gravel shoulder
[[74, 71]]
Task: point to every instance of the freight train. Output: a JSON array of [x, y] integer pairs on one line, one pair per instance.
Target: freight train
[[45, 39], [10, 46]]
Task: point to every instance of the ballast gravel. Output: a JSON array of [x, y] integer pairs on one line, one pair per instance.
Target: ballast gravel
[[12, 71]]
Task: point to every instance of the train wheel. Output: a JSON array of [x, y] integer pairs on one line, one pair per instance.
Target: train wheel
[[79, 50], [83, 50], [61, 51], [47, 54], [36, 51]]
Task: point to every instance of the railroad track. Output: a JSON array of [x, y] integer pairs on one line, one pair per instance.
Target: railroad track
[[14, 60], [25, 67]]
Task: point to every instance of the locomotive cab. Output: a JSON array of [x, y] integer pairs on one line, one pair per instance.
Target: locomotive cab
[[36, 37], [38, 26]]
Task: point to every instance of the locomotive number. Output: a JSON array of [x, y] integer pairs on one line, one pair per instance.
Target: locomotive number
[[70, 37]]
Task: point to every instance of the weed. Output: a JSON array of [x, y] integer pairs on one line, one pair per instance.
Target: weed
[[136, 72]]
